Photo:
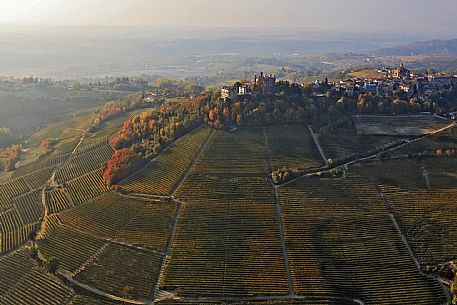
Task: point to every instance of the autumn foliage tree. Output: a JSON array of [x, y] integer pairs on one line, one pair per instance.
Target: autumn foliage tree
[[49, 142], [119, 165], [9, 157], [145, 135], [115, 108]]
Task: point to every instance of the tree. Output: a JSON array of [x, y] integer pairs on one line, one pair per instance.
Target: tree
[[283, 175], [454, 291], [34, 253], [32, 235], [51, 265]]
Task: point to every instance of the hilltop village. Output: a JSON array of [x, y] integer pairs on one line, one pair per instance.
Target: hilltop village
[[400, 84]]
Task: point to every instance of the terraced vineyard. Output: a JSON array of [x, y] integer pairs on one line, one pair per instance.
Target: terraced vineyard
[[13, 237], [39, 178], [29, 207], [13, 189], [57, 201], [293, 147], [341, 242], [226, 249], [161, 175]]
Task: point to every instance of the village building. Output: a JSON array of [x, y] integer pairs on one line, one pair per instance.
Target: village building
[[265, 83], [229, 92], [401, 72]]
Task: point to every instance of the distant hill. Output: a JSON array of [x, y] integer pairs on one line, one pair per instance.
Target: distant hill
[[432, 47]]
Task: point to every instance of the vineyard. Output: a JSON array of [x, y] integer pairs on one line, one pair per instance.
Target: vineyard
[[426, 214], [226, 249], [296, 301], [341, 242], [342, 143], [20, 213], [210, 189], [46, 162], [85, 300], [57, 200], [237, 153], [134, 278], [38, 178], [70, 247], [441, 172], [87, 187], [293, 147], [124, 219], [22, 283], [162, 174], [84, 163], [203, 224], [402, 174], [222, 174]]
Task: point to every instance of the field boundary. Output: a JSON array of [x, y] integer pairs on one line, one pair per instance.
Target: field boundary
[[279, 216]]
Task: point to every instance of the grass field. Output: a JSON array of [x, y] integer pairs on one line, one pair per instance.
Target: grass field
[[368, 73], [443, 140], [398, 125]]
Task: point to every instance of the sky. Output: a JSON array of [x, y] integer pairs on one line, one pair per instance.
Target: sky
[[407, 16]]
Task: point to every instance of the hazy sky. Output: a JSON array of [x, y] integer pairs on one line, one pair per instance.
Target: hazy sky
[[432, 16]]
